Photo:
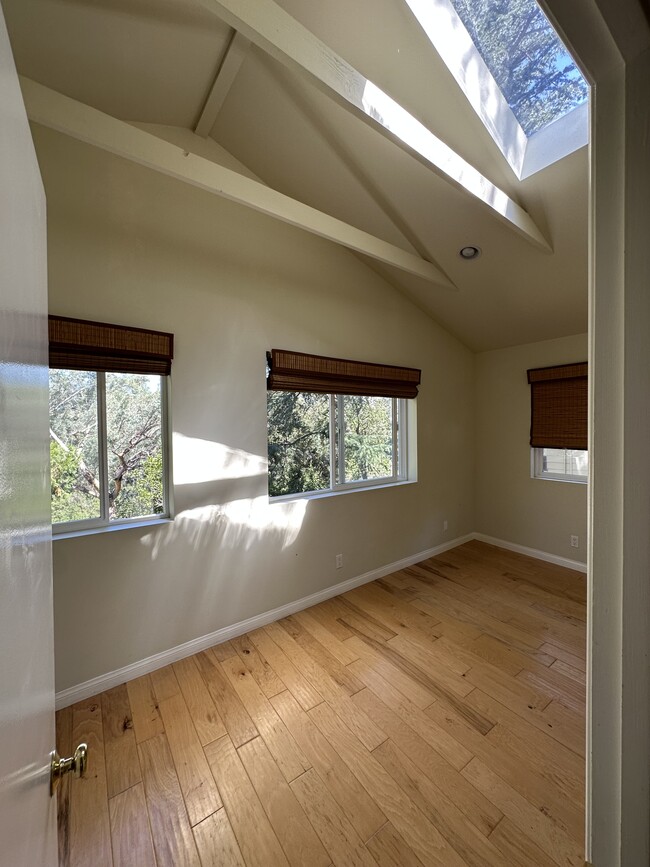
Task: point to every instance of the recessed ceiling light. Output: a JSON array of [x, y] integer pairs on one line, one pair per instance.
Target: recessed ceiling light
[[469, 252]]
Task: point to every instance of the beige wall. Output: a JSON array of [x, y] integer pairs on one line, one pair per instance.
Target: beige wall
[[510, 505], [130, 246]]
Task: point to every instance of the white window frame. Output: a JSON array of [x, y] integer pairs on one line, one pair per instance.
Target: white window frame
[[401, 450], [103, 523], [537, 470]]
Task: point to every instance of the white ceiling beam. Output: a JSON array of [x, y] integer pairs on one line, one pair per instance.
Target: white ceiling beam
[[224, 80], [273, 30], [66, 115]]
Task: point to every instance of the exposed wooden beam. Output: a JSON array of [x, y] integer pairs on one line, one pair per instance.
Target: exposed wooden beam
[[273, 30], [66, 115], [230, 66]]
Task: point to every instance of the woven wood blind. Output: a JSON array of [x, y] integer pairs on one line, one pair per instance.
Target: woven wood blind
[[298, 371], [559, 406], [77, 344]]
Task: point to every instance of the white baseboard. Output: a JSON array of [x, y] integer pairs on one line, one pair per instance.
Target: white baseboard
[[113, 678], [532, 552]]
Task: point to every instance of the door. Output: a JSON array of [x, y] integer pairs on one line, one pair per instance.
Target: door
[[27, 813]]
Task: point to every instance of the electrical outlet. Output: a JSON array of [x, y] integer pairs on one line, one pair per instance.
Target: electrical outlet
[[445, 526], [339, 561], [574, 542]]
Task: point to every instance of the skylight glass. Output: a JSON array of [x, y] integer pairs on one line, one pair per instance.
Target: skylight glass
[[534, 71]]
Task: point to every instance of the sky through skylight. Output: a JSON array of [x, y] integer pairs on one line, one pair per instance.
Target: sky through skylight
[[534, 71]]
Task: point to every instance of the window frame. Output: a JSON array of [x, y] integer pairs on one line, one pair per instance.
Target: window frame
[[103, 523], [537, 469], [400, 459]]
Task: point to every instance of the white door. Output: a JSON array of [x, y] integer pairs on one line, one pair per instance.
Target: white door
[[27, 813]]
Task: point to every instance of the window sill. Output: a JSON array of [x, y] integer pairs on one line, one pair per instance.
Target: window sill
[[109, 528], [321, 495], [554, 479]]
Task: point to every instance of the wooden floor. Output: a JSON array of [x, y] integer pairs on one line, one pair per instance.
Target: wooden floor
[[432, 717]]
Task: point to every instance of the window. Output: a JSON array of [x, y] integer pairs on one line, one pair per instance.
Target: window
[[335, 424], [534, 71], [558, 427], [326, 442], [108, 427], [565, 465], [516, 73]]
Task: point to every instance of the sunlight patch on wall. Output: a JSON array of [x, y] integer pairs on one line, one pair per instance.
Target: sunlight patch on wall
[[198, 460], [236, 525]]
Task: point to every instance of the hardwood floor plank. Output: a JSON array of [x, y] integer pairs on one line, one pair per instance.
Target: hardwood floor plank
[[538, 790], [224, 651], [340, 701], [549, 836], [164, 682], [319, 653], [326, 637], [205, 716], [478, 811], [292, 828], [130, 832], [328, 615], [392, 674], [330, 823], [388, 849], [147, 722], [255, 836], [170, 828], [64, 749], [216, 842], [290, 759], [437, 665], [425, 840], [569, 671], [122, 765], [197, 784], [347, 791], [465, 838], [517, 847], [269, 682], [238, 723], [90, 834], [420, 676], [555, 685], [300, 687], [448, 748], [559, 653], [351, 614], [398, 616], [516, 694]]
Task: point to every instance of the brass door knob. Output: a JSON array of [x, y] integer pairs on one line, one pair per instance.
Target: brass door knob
[[59, 767]]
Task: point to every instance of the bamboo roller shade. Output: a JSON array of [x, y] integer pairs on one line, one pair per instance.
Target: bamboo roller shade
[[299, 371], [77, 344], [559, 406]]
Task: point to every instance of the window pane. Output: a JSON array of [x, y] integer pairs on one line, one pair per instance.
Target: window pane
[[566, 462], [134, 440], [368, 440], [74, 462], [298, 442]]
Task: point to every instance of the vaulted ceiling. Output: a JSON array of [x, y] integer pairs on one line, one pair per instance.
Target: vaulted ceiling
[[173, 63]]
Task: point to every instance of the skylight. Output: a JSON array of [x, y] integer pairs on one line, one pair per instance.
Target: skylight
[[516, 74], [534, 71]]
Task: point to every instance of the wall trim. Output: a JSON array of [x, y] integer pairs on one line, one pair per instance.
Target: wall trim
[[89, 688], [532, 552]]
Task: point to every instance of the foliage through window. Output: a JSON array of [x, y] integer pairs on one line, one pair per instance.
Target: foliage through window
[[321, 442], [566, 465], [106, 447], [536, 74]]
